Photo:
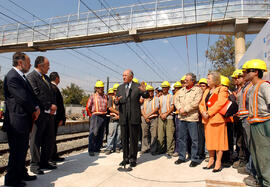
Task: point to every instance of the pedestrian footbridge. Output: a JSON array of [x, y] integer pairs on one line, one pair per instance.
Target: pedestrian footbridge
[[136, 23]]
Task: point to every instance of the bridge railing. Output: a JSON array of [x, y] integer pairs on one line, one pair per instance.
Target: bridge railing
[[159, 13]]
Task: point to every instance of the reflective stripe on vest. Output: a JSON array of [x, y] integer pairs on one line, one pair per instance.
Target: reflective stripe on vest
[[256, 118], [114, 107], [152, 106], [167, 102], [97, 106], [244, 110]]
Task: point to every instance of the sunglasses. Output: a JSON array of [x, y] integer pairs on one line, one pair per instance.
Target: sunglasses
[[250, 70]]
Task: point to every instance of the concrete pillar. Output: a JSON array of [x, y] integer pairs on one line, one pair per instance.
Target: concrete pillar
[[240, 47]]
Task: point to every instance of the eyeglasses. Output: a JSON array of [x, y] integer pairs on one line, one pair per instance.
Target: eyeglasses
[[250, 70]]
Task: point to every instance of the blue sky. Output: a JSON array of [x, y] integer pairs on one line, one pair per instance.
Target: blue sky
[[170, 55]]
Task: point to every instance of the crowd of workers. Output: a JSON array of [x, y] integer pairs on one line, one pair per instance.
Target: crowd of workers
[[226, 124]]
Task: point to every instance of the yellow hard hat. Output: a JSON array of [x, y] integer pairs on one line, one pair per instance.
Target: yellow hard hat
[[149, 88], [257, 64], [110, 91], [183, 78], [99, 84], [115, 86], [165, 84], [135, 80], [238, 73], [203, 80], [225, 81], [177, 84], [244, 67]]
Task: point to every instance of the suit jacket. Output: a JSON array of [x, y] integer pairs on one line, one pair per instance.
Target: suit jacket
[[43, 92], [60, 113], [130, 104], [20, 103], [213, 111]]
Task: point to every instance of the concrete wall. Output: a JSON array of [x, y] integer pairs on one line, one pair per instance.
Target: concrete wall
[[69, 128]]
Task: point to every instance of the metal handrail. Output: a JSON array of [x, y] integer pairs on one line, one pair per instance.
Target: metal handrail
[[144, 15]]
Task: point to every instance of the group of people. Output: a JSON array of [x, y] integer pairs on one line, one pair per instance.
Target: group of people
[[34, 110], [228, 123]]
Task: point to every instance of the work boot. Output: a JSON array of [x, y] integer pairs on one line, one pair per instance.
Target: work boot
[[175, 154], [251, 181], [238, 164], [242, 170]]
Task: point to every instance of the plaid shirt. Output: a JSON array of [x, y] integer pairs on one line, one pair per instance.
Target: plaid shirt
[[97, 104]]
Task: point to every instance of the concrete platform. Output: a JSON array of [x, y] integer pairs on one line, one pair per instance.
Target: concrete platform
[[101, 170]]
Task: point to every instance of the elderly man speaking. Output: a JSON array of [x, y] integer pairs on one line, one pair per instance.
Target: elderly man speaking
[[128, 98], [187, 103]]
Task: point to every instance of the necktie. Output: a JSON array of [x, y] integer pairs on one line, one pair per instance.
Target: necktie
[[127, 89], [43, 77]]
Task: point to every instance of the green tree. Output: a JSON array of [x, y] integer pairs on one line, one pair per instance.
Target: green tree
[[72, 94], [222, 55], [84, 100]]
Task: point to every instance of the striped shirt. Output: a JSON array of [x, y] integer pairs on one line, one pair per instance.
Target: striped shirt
[[97, 104]]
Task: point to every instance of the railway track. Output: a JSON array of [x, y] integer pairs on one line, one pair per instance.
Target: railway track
[[61, 152]]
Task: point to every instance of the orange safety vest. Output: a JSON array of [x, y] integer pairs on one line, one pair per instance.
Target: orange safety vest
[[114, 107], [152, 106], [167, 102], [256, 118], [244, 110], [98, 112]]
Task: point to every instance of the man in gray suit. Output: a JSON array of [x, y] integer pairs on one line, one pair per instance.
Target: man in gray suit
[[128, 97], [42, 136]]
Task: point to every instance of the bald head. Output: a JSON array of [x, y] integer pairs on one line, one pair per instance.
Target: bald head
[[127, 76]]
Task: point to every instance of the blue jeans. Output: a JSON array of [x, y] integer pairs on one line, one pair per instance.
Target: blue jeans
[[186, 128], [114, 136], [96, 132]]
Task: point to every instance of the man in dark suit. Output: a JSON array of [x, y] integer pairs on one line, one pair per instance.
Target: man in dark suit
[[128, 98], [21, 111], [60, 117], [42, 136]]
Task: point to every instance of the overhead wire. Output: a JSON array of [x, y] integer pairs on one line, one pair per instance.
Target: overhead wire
[[40, 32], [158, 65], [127, 44], [119, 37], [208, 42], [196, 38]]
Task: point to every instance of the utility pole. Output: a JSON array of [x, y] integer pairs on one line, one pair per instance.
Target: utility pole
[[78, 12]]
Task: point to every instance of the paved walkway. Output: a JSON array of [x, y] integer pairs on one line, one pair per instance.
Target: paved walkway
[[101, 170]]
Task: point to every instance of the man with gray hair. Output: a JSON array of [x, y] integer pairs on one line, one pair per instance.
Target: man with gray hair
[[127, 98], [187, 103]]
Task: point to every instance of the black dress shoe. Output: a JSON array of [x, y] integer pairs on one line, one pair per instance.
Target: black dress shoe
[[37, 171], [58, 159], [91, 154], [179, 161], [211, 167], [124, 162], [29, 177], [133, 164], [216, 170], [47, 166], [19, 184], [193, 164]]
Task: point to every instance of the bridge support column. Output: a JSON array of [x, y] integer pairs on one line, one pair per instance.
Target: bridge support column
[[239, 41], [240, 47]]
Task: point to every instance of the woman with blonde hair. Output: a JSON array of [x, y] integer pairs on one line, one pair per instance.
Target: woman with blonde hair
[[216, 139]]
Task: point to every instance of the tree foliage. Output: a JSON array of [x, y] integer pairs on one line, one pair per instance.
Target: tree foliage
[[222, 55], [84, 100], [72, 94]]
